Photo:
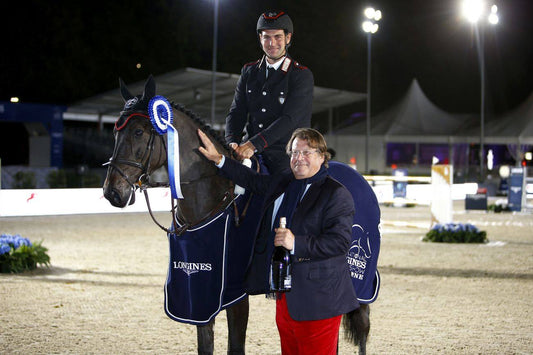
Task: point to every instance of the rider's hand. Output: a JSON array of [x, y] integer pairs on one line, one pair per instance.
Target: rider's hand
[[245, 150]]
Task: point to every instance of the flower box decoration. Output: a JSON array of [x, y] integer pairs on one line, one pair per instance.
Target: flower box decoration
[[18, 254], [455, 233]]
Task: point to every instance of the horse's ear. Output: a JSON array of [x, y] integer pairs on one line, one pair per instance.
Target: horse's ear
[[149, 88], [126, 94]]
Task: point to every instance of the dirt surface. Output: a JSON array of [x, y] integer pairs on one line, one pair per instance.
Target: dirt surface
[[103, 293]]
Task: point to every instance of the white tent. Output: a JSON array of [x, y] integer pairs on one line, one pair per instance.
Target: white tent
[[515, 127], [413, 119]]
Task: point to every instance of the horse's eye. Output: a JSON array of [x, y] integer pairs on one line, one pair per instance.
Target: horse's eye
[[139, 132]]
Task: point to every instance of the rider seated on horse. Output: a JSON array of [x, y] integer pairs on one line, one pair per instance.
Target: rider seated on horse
[[273, 97]]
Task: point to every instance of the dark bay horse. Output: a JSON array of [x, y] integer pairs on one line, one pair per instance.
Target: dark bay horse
[[139, 151]]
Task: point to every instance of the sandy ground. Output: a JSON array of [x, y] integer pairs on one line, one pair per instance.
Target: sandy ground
[[103, 293]]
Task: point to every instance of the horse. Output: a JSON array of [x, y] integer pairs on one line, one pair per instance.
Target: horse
[[139, 151]]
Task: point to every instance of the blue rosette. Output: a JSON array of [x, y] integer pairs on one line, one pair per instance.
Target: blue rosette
[[161, 117], [160, 114]]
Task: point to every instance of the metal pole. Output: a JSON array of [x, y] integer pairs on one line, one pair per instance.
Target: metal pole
[[368, 89], [481, 57], [214, 66], [482, 128]]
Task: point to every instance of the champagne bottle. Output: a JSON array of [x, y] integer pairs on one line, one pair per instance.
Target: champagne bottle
[[280, 269]]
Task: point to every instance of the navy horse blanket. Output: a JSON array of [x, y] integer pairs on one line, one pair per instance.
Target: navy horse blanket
[[207, 264], [366, 235]]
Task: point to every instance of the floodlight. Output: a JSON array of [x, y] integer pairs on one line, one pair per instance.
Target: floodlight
[[493, 18], [472, 9], [367, 26], [370, 12]]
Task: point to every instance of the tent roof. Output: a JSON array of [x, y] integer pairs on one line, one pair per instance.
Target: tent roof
[[413, 116], [517, 124], [192, 88]]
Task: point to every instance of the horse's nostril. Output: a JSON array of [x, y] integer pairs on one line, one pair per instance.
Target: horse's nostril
[[114, 197]]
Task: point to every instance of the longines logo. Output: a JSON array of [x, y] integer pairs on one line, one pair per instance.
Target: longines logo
[[359, 253], [191, 268]]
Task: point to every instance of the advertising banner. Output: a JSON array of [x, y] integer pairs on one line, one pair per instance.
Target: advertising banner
[[399, 186], [517, 196]]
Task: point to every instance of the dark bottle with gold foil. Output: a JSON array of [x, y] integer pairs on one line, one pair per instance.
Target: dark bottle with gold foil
[[280, 269]]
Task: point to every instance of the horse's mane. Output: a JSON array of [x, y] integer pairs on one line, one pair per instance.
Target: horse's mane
[[202, 125]]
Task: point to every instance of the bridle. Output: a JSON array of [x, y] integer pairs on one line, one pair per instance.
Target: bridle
[[143, 182], [144, 177]]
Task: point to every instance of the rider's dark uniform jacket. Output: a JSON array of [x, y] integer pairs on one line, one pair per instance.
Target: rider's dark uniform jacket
[[269, 110]]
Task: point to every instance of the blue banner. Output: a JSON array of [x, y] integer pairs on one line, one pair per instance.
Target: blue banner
[[516, 189], [51, 117]]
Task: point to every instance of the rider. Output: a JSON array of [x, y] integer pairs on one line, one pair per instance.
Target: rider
[[267, 108]]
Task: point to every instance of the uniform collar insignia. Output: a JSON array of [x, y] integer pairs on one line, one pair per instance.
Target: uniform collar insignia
[[285, 65]]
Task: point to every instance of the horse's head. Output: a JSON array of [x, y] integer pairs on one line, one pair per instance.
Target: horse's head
[[138, 151]]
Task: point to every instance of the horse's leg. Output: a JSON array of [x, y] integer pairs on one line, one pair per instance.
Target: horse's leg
[[206, 338], [357, 326], [237, 316]]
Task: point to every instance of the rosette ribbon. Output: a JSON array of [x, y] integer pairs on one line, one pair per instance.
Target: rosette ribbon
[[161, 117]]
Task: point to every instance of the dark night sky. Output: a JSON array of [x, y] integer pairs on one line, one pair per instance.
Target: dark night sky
[[59, 51]]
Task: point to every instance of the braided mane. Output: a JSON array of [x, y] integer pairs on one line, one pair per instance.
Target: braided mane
[[203, 126]]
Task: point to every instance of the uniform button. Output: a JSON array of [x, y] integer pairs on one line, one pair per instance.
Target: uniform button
[[264, 93], [249, 91], [260, 125], [281, 93], [263, 110]]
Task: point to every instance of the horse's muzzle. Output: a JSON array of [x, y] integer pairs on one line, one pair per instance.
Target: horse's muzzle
[[118, 200]]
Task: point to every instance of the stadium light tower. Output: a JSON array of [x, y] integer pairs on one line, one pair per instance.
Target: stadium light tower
[[214, 64], [370, 26], [476, 12]]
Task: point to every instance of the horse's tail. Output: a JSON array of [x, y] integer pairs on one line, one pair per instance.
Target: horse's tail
[[357, 326]]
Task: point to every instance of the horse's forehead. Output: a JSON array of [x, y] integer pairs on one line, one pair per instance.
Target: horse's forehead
[[135, 104], [123, 121]]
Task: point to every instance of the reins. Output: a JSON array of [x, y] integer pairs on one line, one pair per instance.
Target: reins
[[238, 218]]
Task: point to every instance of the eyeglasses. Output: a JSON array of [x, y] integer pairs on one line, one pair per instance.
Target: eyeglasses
[[305, 153]]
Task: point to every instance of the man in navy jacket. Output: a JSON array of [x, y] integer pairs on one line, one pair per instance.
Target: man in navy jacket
[[273, 97], [318, 234]]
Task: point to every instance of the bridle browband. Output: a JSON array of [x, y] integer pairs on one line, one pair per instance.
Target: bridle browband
[[143, 182]]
